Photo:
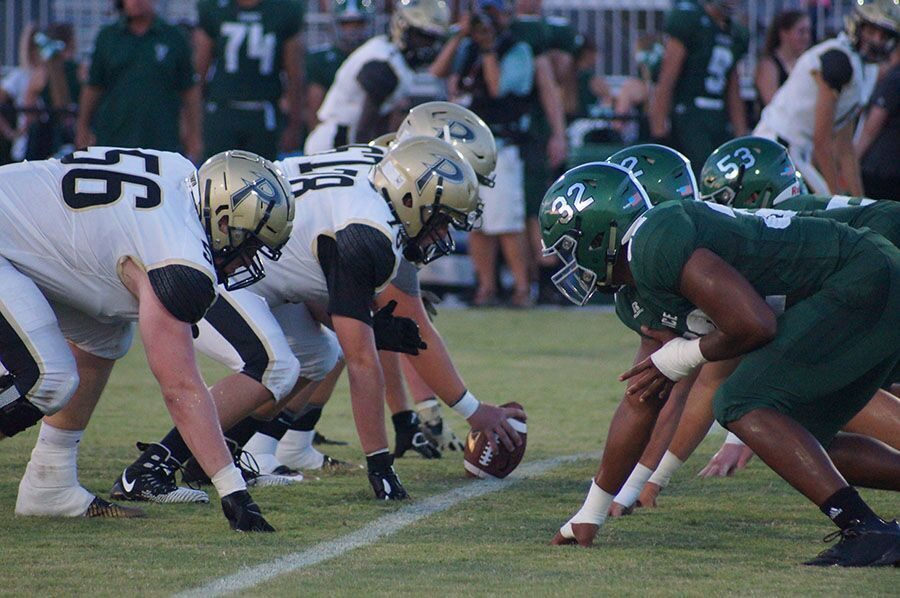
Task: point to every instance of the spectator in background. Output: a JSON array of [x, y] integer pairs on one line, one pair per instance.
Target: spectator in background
[[878, 146], [19, 87], [353, 24], [58, 84], [494, 75], [698, 94], [814, 113], [140, 76], [371, 88], [253, 45], [788, 36], [633, 99]]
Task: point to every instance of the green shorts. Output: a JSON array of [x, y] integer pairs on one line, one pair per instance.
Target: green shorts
[[697, 133], [537, 175], [250, 130], [832, 352]]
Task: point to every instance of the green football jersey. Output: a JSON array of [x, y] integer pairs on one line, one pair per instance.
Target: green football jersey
[[806, 202], [785, 259], [711, 56], [249, 45], [322, 65]]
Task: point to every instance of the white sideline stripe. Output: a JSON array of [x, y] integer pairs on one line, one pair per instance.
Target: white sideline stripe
[[248, 577]]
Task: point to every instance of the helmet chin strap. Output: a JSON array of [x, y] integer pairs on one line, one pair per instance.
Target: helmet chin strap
[[612, 253]]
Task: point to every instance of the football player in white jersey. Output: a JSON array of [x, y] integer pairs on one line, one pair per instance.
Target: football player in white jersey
[[372, 84], [114, 239], [814, 113], [474, 140]]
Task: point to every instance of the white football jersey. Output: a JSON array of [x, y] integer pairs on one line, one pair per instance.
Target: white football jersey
[[791, 113], [69, 224], [333, 191], [343, 104]]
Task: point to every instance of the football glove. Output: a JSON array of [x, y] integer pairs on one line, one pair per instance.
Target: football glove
[[435, 428], [430, 301], [243, 514], [384, 479], [397, 334], [409, 436]]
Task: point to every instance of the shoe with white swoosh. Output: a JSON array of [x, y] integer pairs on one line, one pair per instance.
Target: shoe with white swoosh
[[152, 479]]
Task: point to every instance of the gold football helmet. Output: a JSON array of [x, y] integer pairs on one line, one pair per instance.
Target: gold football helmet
[[246, 205], [429, 187], [418, 28], [458, 126]]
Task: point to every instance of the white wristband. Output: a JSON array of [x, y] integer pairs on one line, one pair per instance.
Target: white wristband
[[678, 358], [594, 510], [732, 438], [467, 405], [633, 485], [666, 469], [229, 480]]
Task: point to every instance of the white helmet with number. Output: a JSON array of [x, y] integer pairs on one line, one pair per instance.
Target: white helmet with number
[[461, 128], [418, 28], [429, 187], [246, 205]]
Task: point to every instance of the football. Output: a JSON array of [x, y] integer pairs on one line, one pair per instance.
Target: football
[[481, 461]]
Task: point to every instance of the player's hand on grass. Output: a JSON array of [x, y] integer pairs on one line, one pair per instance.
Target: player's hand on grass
[[617, 510], [385, 482], [492, 421], [243, 514], [581, 534], [729, 458], [648, 496]]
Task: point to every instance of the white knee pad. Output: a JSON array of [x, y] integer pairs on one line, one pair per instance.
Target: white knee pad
[[57, 383]]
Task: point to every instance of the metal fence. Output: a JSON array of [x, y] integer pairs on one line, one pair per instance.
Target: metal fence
[[614, 25]]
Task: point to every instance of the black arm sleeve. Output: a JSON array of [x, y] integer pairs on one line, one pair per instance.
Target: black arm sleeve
[[356, 263], [836, 69], [378, 79], [185, 291]]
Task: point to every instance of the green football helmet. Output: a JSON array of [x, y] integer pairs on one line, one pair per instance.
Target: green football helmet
[[749, 172], [664, 173], [586, 217]]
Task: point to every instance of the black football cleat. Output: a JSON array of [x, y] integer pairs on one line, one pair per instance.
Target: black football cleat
[[875, 543], [319, 439], [152, 479], [243, 514]]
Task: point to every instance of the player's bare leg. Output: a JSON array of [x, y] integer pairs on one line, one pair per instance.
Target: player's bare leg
[[50, 485], [515, 253], [880, 419], [483, 251], [865, 461]]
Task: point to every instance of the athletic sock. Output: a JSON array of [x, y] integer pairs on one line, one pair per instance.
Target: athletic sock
[[278, 426], [307, 419], [242, 431], [176, 445], [845, 507]]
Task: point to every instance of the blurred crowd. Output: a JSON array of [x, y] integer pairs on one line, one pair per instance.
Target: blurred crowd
[[242, 77]]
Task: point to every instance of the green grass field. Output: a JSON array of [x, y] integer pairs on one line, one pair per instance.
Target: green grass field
[[740, 536]]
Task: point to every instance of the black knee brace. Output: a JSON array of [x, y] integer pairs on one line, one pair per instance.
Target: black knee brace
[[18, 414]]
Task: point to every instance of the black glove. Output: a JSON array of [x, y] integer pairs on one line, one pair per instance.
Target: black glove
[[409, 436], [384, 479], [397, 334], [430, 301], [243, 514]]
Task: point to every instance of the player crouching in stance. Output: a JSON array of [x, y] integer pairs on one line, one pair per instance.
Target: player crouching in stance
[[115, 238], [802, 376]]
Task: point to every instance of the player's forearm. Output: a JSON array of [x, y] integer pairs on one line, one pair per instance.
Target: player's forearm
[[367, 126], [666, 424], [823, 160], [629, 433], [696, 417], [660, 106], [848, 163], [736, 112], [367, 400], [435, 366], [550, 96], [87, 105], [719, 345], [443, 64], [194, 414], [490, 70]]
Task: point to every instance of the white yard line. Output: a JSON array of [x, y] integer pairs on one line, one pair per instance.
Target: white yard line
[[249, 577]]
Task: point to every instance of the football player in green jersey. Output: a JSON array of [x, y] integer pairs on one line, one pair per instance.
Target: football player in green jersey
[[698, 93], [353, 24], [802, 376], [250, 43]]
